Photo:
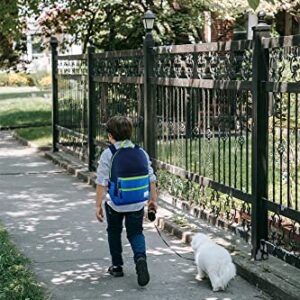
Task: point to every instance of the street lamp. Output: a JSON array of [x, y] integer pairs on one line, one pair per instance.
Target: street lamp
[[148, 20]]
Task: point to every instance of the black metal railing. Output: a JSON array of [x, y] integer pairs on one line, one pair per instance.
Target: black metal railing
[[118, 81], [220, 122], [283, 88], [70, 102]]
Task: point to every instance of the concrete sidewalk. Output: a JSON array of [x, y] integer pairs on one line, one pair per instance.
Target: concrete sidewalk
[[51, 218]]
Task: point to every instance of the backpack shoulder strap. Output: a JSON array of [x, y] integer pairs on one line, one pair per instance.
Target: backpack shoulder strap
[[112, 149], [114, 152]]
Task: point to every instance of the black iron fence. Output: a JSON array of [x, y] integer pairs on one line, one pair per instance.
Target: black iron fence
[[219, 120]]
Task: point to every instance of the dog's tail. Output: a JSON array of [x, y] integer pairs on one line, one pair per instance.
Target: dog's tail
[[228, 272], [222, 275]]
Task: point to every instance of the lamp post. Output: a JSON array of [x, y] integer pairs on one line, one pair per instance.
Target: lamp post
[[148, 20], [149, 107]]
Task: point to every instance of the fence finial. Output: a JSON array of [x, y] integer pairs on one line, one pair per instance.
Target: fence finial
[[91, 42], [261, 17], [53, 40], [262, 25]]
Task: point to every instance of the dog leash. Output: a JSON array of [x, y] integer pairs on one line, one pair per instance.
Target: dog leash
[[178, 254]]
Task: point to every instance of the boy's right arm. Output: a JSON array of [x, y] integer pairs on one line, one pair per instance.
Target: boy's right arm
[[100, 193], [102, 182]]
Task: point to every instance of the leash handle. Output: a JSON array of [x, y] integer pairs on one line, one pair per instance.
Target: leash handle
[[178, 254]]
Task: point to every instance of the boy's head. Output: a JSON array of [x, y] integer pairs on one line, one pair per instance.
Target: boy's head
[[120, 128]]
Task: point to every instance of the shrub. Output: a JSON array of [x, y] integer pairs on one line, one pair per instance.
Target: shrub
[[45, 82], [38, 76], [3, 79], [15, 79]]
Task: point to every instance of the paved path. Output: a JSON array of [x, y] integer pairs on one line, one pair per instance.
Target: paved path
[[52, 220]]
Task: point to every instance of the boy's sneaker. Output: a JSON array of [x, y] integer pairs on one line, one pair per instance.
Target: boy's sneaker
[[116, 271], [143, 276]]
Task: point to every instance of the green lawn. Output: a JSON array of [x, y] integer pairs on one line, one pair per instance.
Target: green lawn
[[16, 279], [225, 161], [16, 111], [40, 136], [25, 111]]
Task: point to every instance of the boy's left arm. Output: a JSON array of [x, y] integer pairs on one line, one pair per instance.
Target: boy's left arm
[[153, 196], [152, 202]]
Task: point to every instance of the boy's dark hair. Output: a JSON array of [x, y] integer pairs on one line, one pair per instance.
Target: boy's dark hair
[[119, 127]]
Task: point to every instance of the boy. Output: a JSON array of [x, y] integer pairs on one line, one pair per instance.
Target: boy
[[123, 156]]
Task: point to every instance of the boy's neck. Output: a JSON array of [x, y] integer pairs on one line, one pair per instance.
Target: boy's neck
[[113, 141], [120, 142]]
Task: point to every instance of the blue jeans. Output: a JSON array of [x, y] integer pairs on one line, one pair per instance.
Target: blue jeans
[[134, 230]]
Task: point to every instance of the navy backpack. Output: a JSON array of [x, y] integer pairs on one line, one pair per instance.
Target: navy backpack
[[129, 175]]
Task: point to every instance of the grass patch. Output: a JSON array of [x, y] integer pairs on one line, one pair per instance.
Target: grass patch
[[25, 111], [180, 220], [16, 279], [40, 136]]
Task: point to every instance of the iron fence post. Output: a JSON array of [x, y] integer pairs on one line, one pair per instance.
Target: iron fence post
[[149, 101], [259, 217], [53, 45], [91, 111]]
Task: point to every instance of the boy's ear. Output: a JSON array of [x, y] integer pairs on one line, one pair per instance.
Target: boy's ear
[[110, 137]]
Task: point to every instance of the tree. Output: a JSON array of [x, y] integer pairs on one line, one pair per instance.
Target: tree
[[273, 6], [13, 14], [116, 24], [231, 9]]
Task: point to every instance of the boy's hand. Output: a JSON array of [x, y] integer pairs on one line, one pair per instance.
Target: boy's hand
[[100, 214], [152, 204]]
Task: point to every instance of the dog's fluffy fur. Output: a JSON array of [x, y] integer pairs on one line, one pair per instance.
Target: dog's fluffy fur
[[212, 260]]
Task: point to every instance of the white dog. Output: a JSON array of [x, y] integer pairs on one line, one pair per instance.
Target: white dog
[[212, 260]]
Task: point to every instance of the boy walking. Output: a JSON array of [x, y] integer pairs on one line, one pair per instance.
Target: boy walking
[[126, 180]]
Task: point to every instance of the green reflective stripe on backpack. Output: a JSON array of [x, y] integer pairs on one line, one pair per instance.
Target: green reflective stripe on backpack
[[134, 189], [133, 178]]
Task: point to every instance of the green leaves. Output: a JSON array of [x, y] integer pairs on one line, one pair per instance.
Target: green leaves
[[12, 29], [253, 3]]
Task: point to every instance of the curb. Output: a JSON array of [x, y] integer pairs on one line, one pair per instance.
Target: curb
[[12, 127], [205, 215], [30, 144], [72, 167], [261, 274]]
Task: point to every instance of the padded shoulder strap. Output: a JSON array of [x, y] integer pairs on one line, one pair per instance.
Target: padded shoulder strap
[[112, 149], [114, 152]]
